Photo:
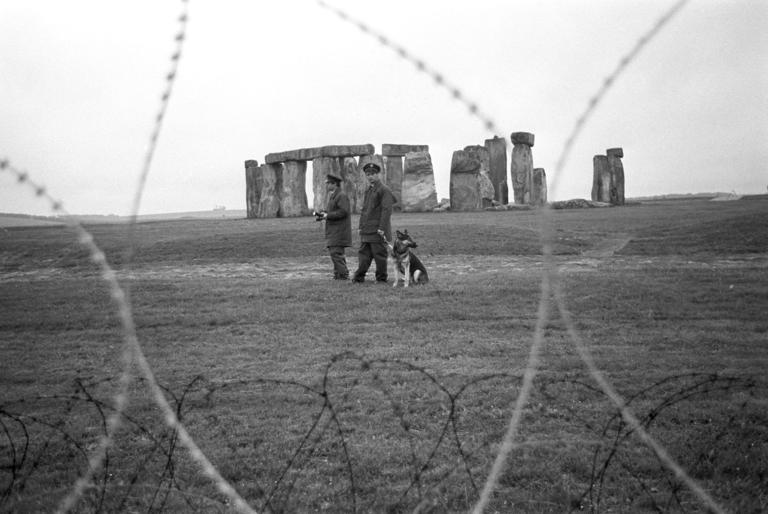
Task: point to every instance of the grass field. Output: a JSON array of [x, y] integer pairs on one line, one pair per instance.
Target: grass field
[[314, 395]]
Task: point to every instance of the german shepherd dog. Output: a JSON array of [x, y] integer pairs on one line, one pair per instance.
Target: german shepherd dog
[[406, 262]]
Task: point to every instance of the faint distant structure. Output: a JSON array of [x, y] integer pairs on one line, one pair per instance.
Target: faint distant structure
[[277, 188], [608, 177], [497, 168], [521, 167]]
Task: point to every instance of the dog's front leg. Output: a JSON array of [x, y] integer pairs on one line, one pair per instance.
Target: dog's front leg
[[407, 272], [397, 273]]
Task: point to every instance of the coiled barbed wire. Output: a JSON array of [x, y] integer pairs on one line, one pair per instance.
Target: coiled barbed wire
[[548, 279], [548, 288], [132, 353]]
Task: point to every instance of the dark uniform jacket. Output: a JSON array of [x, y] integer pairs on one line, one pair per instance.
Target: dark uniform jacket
[[338, 224], [376, 213]]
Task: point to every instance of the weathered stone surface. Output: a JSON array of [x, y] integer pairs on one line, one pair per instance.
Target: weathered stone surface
[[522, 138], [293, 193], [465, 183], [393, 166], [486, 188], [419, 193], [310, 154], [521, 167], [539, 187], [465, 162], [321, 167], [354, 183], [503, 189], [268, 178], [497, 168], [616, 190], [601, 179], [479, 153], [615, 152], [390, 150], [251, 192], [487, 191]]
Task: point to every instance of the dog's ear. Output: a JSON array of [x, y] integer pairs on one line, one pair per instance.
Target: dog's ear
[[405, 232], [399, 234]]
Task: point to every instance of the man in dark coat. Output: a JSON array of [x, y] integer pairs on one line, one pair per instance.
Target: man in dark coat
[[374, 223], [338, 226]]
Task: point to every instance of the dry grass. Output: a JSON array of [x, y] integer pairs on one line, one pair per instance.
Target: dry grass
[[315, 395]]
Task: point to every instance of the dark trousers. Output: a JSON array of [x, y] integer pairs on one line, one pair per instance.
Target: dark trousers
[[340, 271], [371, 252]]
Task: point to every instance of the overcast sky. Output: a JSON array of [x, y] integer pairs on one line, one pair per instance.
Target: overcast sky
[[80, 84]]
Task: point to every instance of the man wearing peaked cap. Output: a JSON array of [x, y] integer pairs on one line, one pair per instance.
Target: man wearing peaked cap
[[338, 226], [374, 225]]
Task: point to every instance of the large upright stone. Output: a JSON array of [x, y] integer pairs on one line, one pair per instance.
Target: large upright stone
[[251, 192], [293, 191], [497, 169], [601, 179], [419, 193], [393, 167], [465, 186], [321, 167], [353, 184], [616, 191], [485, 184], [539, 187], [269, 178], [521, 167], [393, 171]]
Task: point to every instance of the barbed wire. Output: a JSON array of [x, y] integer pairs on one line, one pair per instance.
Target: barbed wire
[[148, 458], [132, 353], [550, 290], [550, 287], [608, 83]]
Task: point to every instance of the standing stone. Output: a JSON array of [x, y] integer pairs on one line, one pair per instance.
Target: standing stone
[[251, 192], [616, 191], [269, 178], [465, 186], [321, 167], [497, 168], [539, 187], [393, 168], [419, 193], [354, 184], [601, 179], [521, 167], [485, 184], [293, 195]]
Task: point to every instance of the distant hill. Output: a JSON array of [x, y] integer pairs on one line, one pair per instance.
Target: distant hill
[[28, 220], [679, 196]]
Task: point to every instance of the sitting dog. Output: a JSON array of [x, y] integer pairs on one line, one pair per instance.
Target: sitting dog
[[406, 262]]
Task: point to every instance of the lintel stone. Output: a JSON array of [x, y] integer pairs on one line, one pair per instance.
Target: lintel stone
[[390, 150], [522, 138], [308, 154]]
